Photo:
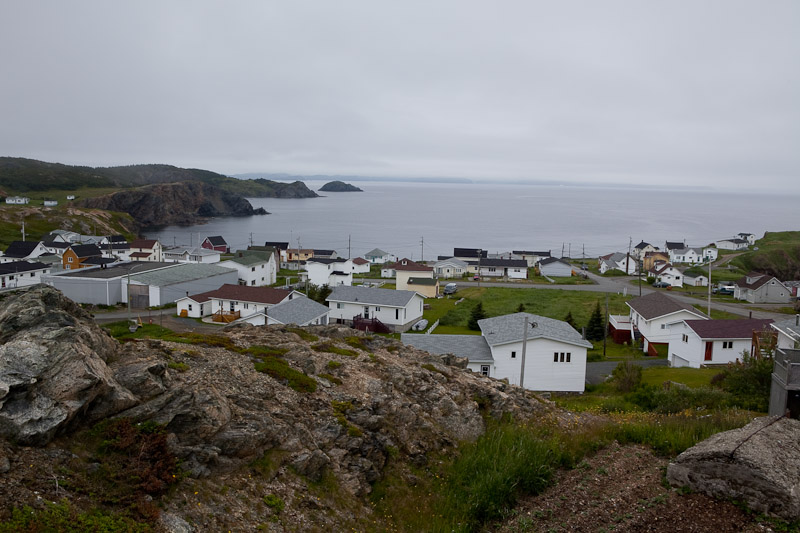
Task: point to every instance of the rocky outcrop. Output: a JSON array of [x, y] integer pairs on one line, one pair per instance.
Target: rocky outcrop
[[53, 367], [182, 203], [756, 464], [339, 186]]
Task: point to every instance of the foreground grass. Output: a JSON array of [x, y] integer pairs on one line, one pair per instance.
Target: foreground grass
[[477, 485]]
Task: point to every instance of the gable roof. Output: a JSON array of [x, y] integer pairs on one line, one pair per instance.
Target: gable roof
[[360, 261], [727, 329], [179, 272], [551, 260], [411, 266], [642, 245], [510, 263], [528, 252], [144, 243], [298, 310], [15, 267], [789, 327], [244, 293], [326, 260], [369, 296], [323, 252], [473, 347], [250, 257], [21, 248], [377, 252], [277, 244], [217, 240], [658, 304], [759, 280], [509, 328], [451, 261], [86, 250]]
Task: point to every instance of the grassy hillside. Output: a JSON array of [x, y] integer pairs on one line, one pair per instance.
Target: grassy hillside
[[24, 176], [39, 221], [778, 254]]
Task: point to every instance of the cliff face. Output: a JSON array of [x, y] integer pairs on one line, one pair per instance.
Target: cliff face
[[251, 412], [182, 203]]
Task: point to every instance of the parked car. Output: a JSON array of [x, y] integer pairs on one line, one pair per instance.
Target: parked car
[[661, 285], [450, 288], [476, 277]]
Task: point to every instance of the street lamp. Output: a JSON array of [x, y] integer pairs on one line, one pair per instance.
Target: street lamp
[[131, 326]]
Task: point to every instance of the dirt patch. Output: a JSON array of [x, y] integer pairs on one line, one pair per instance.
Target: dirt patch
[[621, 488]]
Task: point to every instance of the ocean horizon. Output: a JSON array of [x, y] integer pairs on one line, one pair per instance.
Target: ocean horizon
[[422, 221]]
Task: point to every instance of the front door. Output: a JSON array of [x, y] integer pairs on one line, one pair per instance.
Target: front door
[[366, 311], [709, 350]]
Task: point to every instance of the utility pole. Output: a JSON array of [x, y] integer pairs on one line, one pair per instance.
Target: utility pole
[[524, 345], [562, 250], [23, 229], [422, 250], [348, 246], [569, 252], [251, 239], [628, 257], [605, 328], [641, 267], [709, 287]]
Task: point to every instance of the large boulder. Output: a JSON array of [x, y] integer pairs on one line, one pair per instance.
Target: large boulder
[[757, 464], [53, 369]]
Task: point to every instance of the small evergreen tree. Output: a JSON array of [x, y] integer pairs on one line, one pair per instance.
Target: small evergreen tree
[[322, 294], [569, 320], [595, 329], [521, 308], [477, 314]]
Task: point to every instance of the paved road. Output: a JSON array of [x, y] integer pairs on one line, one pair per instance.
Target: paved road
[[598, 372]]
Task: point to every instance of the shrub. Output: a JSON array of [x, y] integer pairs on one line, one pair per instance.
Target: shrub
[[280, 370], [678, 399], [477, 314], [274, 503], [64, 518], [626, 376], [748, 382]]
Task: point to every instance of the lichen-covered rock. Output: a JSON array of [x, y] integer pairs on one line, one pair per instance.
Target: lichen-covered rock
[[757, 464], [53, 367]]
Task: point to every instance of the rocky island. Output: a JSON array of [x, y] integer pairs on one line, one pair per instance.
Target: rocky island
[[339, 186]]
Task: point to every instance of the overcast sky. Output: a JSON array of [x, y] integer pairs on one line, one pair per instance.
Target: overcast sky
[[670, 92]]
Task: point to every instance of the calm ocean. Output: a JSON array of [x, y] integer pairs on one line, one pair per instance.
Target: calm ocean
[[399, 217]]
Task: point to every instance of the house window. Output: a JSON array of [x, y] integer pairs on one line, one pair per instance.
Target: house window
[[555, 357], [201, 309], [484, 370], [377, 309], [247, 306], [339, 305], [562, 356], [397, 314], [663, 326], [69, 260], [727, 345], [513, 355], [685, 337], [233, 305], [253, 269], [569, 356], [253, 282], [190, 307]]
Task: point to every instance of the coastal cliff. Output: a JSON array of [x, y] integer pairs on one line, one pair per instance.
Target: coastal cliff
[[182, 203]]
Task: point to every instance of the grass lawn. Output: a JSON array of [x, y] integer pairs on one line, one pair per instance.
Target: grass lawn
[[691, 377], [717, 314], [614, 351]]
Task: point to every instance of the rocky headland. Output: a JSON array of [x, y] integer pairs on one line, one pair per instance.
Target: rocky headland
[[182, 203]]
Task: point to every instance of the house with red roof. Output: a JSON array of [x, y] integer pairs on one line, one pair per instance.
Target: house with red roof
[[652, 315], [697, 343], [360, 266], [146, 250], [231, 302]]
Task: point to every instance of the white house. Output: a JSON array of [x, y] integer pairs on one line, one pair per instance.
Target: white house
[[146, 250], [300, 311], [330, 272], [254, 268], [360, 265], [22, 273], [237, 301], [70, 197], [666, 273], [788, 333], [760, 288], [686, 255], [652, 314], [17, 200], [694, 279], [378, 257], [710, 253], [554, 267], [50, 203], [555, 354], [531, 257], [732, 244], [618, 261], [406, 269], [697, 343], [749, 237], [191, 254], [450, 268], [504, 268], [396, 309], [22, 251]]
